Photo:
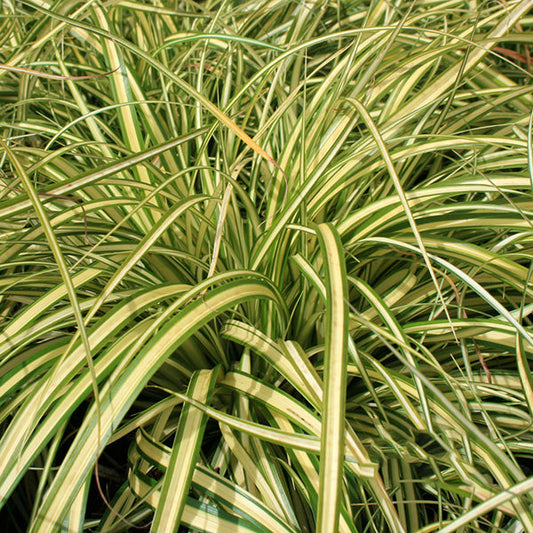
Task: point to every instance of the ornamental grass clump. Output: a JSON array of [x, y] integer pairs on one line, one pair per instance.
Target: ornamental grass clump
[[266, 266]]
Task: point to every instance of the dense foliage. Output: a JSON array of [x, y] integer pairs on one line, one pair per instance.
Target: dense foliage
[[270, 262]]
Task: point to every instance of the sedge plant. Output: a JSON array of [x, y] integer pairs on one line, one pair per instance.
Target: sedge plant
[[266, 266]]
